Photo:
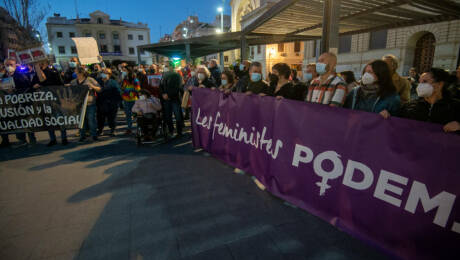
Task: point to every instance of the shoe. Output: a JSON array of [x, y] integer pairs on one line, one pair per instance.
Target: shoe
[[5, 144], [51, 143], [95, 139], [239, 171], [112, 132], [33, 142], [258, 183], [22, 142], [65, 142]]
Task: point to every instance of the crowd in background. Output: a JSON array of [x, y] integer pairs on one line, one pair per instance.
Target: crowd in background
[[432, 96]]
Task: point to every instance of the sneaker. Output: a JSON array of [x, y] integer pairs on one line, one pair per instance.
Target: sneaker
[[239, 171], [258, 183], [51, 143], [65, 142]]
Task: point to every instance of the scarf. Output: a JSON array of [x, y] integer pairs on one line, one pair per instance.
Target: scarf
[[368, 91]]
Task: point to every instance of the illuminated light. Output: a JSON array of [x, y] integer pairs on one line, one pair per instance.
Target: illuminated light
[[191, 21], [175, 58], [220, 9], [218, 30], [272, 51]]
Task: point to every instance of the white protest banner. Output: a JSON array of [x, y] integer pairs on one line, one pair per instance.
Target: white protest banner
[[12, 54], [87, 50], [38, 54], [25, 56]]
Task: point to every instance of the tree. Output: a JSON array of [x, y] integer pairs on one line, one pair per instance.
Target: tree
[[28, 13]]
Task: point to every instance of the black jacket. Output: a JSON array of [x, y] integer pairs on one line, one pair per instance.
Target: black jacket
[[215, 75], [257, 87], [286, 91], [442, 112], [208, 83], [242, 84], [171, 84]]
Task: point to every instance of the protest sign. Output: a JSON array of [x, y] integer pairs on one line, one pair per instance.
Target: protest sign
[[50, 107], [12, 54], [87, 50], [154, 80], [25, 56], [7, 84], [392, 183], [31, 55]]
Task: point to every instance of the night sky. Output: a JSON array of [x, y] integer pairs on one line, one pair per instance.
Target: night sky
[[156, 13]]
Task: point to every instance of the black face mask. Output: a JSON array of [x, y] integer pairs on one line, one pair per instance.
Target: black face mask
[[273, 79]]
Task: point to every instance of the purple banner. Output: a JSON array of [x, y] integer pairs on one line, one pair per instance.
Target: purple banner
[[390, 182]]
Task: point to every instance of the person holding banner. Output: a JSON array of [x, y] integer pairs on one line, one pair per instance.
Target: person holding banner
[[328, 88], [256, 85], [435, 103], [108, 101], [376, 94], [284, 88], [84, 80], [204, 78], [70, 74], [130, 92], [228, 81], [22, 84]]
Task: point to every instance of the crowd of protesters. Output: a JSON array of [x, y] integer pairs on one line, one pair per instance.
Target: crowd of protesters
[[433, 96]]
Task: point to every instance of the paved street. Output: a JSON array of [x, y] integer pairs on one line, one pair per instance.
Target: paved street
[[114, 200]]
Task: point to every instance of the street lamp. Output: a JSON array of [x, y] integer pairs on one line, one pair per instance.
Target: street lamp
[[218, 31], [221, 54]]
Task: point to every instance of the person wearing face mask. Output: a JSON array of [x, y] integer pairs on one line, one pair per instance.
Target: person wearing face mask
[[243, 77], [70, 74], [215, 72], [147, 108], [402, 85], [84, 80], [228, 81], [376, 94], [310, 73], [108, 101], [22, 84], [204, 78], [170, 89], [435, 103], [256, 85], [328, 88], [284, 88]]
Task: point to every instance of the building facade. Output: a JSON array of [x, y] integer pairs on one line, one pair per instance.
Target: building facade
[[12, 35], [116, 39], [422, 46]]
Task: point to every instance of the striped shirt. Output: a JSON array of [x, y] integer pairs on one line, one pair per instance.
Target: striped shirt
[[332, 91]]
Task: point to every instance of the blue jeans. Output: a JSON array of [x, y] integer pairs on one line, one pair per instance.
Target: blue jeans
[[170, 107], [128, 106], [53, 135], [90, 121]]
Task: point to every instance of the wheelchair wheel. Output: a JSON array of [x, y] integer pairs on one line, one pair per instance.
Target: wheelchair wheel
[[139, 136]]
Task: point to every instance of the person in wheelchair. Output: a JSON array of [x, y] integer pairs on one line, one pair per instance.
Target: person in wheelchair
[[146, 109]]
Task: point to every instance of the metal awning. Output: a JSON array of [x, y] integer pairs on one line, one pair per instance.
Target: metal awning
[[305, 17], [206, 45]]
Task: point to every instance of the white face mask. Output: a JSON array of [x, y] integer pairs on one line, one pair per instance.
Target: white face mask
[[140, 70], [425, 90], [10, 69], [224, 82], [142, 97], [367, 79], [201, 76], [193, 73]]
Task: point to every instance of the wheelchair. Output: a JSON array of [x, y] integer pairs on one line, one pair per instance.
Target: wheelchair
[[147, 122]]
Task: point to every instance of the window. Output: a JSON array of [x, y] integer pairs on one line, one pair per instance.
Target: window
[[71, 34], [297, 46], [88, 34], [258, 49], [59, 34], [140, 37], [116, 48], [345, 44], [252, 51], [73, 49], [130, 36], [225, 58], [104, 48], [280, 47], [378, 40], [115, 36], [99, 21], [101, 35], [131, 50], [61, 49], [142, 52]]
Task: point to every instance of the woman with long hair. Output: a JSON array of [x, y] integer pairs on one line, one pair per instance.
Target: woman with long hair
[[376, 92]]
